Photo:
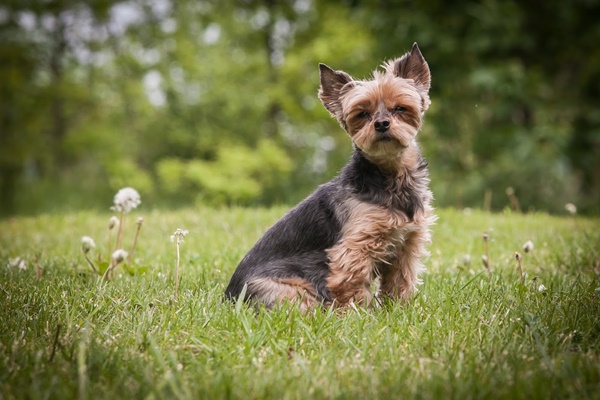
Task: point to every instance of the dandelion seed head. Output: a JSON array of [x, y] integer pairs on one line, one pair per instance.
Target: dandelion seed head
[[17, 262], [466, 259], [126, 200], [541, 288], [571, 208], [119, 255], [87, 243], [179, 235], [113, 222], [140, 220], [485, 236], [518, 256], [528, 246]]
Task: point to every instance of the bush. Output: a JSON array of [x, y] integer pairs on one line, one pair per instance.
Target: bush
[[238, 175]]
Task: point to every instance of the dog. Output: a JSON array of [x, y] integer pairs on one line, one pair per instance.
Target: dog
[[372, 221]]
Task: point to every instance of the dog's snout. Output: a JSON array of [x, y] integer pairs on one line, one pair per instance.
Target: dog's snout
[[382, 124]]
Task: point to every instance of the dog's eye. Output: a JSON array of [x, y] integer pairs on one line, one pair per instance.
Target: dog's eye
[[400, 109], [363, 114]]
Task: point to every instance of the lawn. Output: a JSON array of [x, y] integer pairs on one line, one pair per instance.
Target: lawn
[[66, 333]]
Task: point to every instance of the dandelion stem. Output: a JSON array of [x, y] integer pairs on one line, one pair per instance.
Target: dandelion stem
[[90, 262], [106, 275], [135, 239], [518, 257], [488, 263], [177, 237], [177, 270], [109, 247], [120, 231]]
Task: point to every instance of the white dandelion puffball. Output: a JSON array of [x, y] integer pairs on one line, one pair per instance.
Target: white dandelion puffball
[[87, 243], [571, 208], [17, 262], [113, 222], [528, 246], [126, 200], [178, 235], [119, 255], [541, 288]]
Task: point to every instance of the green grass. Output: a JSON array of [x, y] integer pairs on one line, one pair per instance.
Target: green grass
[[465, 335]]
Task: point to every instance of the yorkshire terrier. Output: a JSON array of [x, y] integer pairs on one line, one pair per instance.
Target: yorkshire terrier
[[372, 220]]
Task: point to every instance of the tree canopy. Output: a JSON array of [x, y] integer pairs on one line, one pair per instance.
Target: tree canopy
[[215, 101]]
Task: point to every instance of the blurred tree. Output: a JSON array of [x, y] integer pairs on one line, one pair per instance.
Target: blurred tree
[[17, 105], [215, 100], [46, 48], [513, 84]]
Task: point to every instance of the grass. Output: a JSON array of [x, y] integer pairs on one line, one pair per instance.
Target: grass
[[68, 334]]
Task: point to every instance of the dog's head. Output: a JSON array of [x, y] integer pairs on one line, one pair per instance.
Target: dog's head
[[384, 114]]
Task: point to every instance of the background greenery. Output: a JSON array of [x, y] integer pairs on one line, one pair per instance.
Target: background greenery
[[214, 101]]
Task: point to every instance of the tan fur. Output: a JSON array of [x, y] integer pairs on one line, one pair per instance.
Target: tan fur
[[402, 277], [278, 290], [377, 241], [380, 97]]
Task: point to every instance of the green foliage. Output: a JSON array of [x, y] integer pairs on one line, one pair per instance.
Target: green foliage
[[67, 333], [124, 172], [238, 175], [88, 96]]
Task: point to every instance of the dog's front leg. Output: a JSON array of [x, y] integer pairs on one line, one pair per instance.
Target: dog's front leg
[[400, 279], [352, 262], [365, 243], [350, 275]]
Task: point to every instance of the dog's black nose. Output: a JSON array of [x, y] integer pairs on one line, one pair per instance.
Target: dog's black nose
[[382, 125]]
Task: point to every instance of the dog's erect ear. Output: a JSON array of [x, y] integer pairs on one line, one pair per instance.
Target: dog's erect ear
[[412, 65], [333, 85]]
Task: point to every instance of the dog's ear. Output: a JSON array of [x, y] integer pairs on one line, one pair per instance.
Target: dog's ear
[[412, 65], [333, 85]]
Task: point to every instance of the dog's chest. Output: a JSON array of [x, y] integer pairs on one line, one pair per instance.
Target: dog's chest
[[378, 229], [395, 238], [391, 243], [399, 234]]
